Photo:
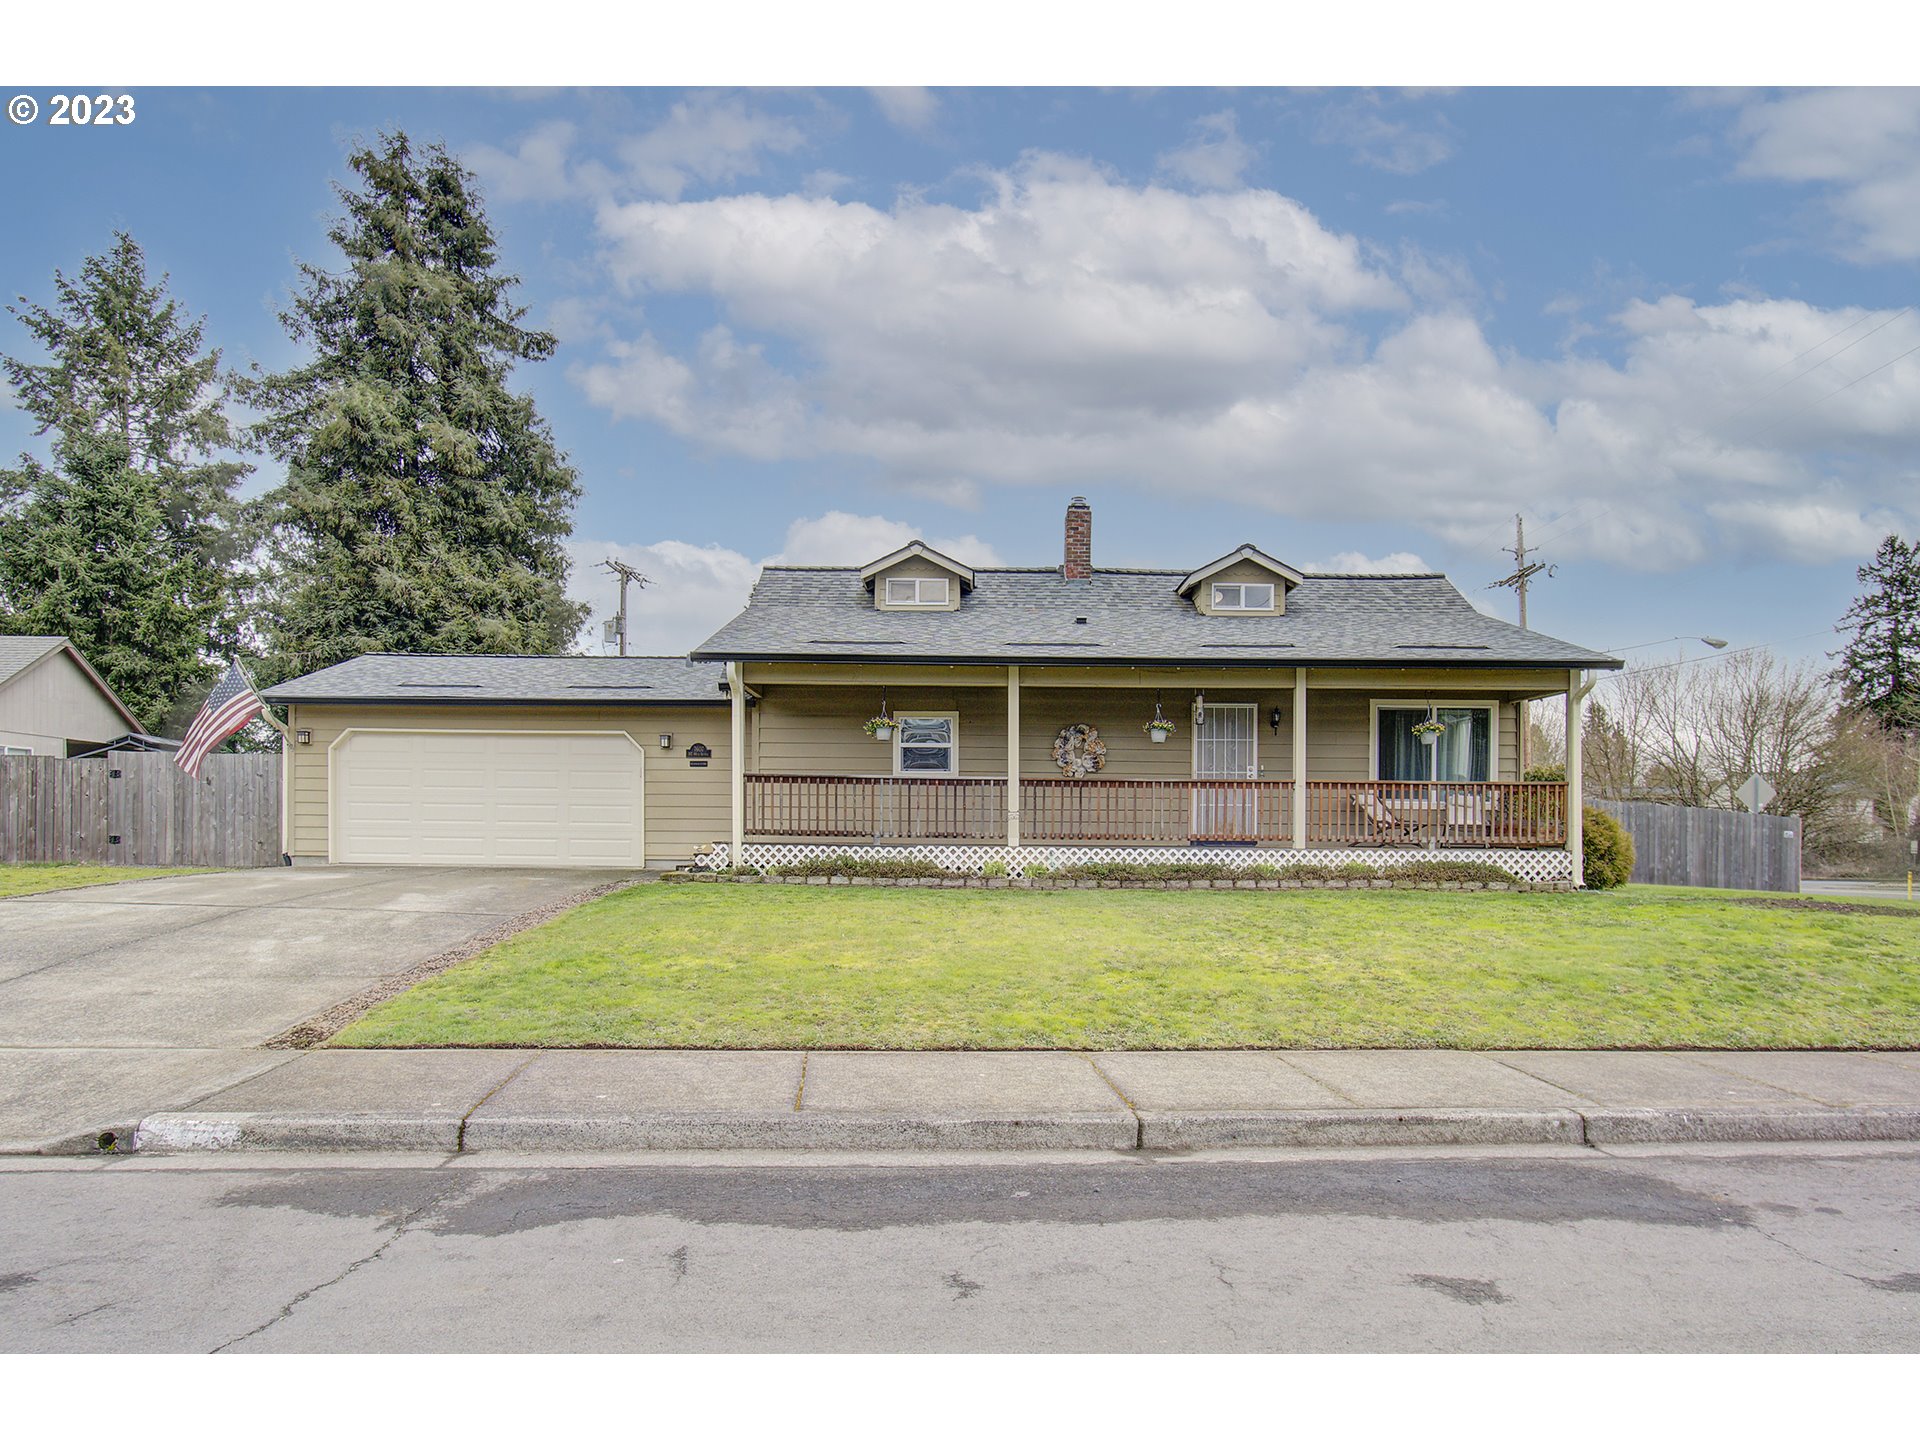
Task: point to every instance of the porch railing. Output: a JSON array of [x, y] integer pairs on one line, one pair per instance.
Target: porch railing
[[1339, 813], [1156, 812], [1440, 813], [877, 807]]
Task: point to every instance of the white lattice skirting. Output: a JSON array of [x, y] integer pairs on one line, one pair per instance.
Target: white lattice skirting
[[1534, 865]]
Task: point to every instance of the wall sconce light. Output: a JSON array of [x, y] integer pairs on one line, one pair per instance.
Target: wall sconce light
[[666, 741], [303, 737], [1273, 719]]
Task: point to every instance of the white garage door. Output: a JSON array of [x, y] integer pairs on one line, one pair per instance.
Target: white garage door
[[465, 797]]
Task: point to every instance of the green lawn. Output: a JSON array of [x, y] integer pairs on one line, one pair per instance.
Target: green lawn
[[32, 879], [780, 966]]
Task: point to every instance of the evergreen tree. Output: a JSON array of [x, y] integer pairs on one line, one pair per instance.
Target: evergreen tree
[[426, 505], [85, 553], [1880, 665], [134, 400]]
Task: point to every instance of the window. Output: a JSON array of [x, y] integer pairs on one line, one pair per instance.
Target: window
[[926, 745], [1243, 597], [917, 592], [1464, 752], [15, 750]]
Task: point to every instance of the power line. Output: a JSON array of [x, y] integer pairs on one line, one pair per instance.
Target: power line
[[1831, 393], [1720, 655]]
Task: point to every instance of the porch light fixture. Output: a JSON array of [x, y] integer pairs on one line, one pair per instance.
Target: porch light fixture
[[1273, 719], [666, 741], [303, 737]]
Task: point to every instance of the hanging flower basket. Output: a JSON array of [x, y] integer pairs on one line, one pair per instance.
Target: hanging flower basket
[[880, 727], [1429, 731], [1158, 729]]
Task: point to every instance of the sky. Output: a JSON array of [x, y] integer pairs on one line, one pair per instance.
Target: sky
[[1360, 329]]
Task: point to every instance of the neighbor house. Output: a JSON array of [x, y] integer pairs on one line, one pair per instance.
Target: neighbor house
[[52, 702], [1236, 709]]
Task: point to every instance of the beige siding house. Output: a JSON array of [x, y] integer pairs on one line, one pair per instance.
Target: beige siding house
[[52, 702], [1235, 710]]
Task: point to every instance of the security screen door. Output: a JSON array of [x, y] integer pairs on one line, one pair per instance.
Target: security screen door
[[1224, 748]]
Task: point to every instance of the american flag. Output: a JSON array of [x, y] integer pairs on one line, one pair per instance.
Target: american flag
[[231, 705]]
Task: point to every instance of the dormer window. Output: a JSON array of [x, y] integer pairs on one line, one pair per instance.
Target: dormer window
[[1243, 597], [918, 591]]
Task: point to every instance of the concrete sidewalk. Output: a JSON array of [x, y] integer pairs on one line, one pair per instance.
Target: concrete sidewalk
[[459, 1101]]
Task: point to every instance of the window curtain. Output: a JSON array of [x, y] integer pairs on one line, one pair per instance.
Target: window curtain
[[1463, 753]]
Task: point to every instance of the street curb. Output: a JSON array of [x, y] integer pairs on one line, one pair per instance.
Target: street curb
[[1171, 1130], [181, 1132], [800, 1131], [1866, 1122]]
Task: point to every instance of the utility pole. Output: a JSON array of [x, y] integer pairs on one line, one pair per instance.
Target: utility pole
[[1523, 573], [627, 575]]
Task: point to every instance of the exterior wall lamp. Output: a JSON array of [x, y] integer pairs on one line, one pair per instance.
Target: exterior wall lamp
[[666, 741], [1273, 719]]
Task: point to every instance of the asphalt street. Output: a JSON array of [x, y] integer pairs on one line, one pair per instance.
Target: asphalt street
[[1758, 1248]]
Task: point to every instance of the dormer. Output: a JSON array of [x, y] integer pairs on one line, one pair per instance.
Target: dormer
[[1246, 581], [917, 577]]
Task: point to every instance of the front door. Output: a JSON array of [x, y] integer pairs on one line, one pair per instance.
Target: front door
[[1225, 748]]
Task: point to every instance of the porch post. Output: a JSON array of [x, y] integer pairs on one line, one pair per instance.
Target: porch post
[[737, 760], [1013, 757], [1300, 757], [1576, 713]]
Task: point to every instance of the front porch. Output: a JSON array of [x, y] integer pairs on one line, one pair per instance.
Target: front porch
[[875, 809], [1260, 759]]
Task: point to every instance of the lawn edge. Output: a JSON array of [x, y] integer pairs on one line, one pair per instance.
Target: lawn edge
[[318, 1029]]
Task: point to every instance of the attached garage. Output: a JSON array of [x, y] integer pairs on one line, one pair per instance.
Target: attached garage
[[568, 760], [479, 797]]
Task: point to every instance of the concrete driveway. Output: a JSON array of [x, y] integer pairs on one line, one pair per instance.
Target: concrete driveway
[[120, 998]]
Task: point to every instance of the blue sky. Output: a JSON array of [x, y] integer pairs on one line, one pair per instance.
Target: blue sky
[[1354, 327]]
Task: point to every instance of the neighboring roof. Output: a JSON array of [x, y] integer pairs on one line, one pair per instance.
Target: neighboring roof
[[1254, 553], [1131, 617], [132, 742], [508, 680], [21, 653], [924, 551]]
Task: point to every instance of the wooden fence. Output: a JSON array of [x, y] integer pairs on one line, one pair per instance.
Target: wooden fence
[[1722, 849], [140, 809]]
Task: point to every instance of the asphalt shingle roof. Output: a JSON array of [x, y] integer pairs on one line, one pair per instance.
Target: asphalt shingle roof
[[509, 680], [1130, 617], [17, 652]]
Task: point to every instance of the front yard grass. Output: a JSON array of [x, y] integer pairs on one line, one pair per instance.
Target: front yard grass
[[726, 966], [31, 879]]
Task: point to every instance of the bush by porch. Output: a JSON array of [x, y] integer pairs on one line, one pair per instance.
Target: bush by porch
[[729, 966]]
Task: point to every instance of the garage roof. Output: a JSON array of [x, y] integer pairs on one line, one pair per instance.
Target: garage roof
[[507, 680]]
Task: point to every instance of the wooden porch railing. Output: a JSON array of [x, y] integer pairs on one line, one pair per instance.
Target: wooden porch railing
[[1442, 813], [1340, 813], [877, 807], [1155, 812]]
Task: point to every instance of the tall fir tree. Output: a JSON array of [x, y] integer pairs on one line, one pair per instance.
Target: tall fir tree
[[85, 553], [1880, 665], [135, 399], [426, 505]]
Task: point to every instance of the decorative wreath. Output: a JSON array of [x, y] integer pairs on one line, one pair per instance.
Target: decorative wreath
[[1079, 751]]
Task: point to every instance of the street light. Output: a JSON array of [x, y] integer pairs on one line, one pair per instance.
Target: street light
[[1714, 640]]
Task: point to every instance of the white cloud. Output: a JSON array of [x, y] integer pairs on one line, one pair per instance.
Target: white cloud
[[537, 170], [911, 107], [1364, 123], [695, 589], [710, 139], [1861, 145], [1069, 329], [1215, 159], [1354, 562]]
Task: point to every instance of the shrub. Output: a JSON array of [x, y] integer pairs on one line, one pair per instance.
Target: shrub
[[1356, 870], [1481, 870], [994, 869], [1034, 871], [904, 867], [1606, 850], [1152, 870], [1546, 774]]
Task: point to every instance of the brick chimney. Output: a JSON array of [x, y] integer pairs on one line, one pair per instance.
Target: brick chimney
[[1077, 563]]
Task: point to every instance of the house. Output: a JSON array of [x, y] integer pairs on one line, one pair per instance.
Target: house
[[52, 702], [1301, 713]]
